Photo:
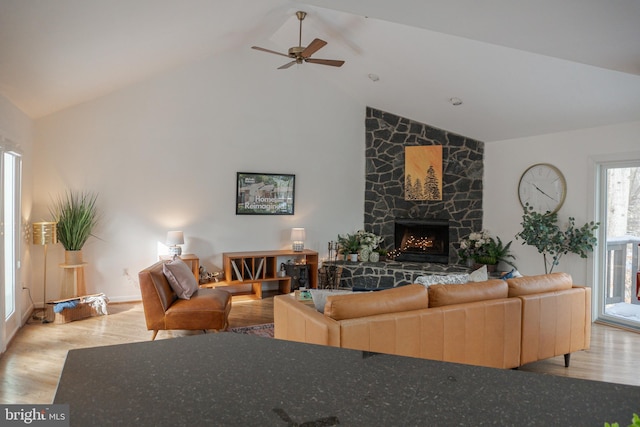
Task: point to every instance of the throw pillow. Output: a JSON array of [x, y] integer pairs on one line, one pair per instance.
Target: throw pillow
[[319, 296], [442, 279], [480, 275], [180, 278], [510, 275]]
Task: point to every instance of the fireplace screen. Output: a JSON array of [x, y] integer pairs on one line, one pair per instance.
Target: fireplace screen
[[419, 240]]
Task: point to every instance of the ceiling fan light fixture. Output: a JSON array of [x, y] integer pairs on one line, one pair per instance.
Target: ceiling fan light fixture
[[300, 53]]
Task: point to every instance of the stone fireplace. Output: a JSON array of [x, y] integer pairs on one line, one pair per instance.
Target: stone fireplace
[[462, 164], [386, 211], [421, 240]]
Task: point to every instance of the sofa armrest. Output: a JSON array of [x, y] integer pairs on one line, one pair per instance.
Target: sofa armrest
[[296, 321], [555, 323], [157, 295]]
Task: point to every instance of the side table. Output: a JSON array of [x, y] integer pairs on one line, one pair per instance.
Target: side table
[[191, 259], [73, 284]]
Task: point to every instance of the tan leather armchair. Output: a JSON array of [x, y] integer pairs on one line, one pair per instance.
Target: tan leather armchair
[[163, 310]]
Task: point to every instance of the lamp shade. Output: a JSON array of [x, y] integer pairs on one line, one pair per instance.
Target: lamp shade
[[45, 233], [297, 234], [175, 238], [297, 239]]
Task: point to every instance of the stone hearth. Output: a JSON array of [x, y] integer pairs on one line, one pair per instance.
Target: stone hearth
[[374, 275]]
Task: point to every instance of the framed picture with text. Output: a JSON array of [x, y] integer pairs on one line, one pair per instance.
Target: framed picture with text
[[264, 193]]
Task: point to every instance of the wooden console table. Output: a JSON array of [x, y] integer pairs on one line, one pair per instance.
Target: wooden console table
[[246, 272]]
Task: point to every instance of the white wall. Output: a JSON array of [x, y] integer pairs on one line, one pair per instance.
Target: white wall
[[163, 155], [572, 153], [16, 126]]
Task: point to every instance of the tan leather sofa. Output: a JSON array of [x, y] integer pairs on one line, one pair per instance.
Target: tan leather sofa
[[497, 323]]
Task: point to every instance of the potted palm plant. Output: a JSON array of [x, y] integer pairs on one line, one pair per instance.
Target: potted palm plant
[[349, 245], [76, 215]]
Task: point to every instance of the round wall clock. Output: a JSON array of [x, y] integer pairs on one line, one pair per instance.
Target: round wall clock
[[543, 187]]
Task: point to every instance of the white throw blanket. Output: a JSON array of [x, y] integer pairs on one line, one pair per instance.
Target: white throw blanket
[[98, 302]]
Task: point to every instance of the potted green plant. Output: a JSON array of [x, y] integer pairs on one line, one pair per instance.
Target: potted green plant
[[369, 242], [377, 254], [542, 231], [498, 252], [76, 215], [349, 245], [482, 248], [635, 422]]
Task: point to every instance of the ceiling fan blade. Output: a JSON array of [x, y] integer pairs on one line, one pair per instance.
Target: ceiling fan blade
[[331, 62], [315, 45], [269, 51], [287, 65]]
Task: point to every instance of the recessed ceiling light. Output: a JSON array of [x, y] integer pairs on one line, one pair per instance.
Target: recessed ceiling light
[[455, 101], [374, 77]]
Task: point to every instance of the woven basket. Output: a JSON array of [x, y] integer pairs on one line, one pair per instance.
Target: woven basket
[[82, 311]]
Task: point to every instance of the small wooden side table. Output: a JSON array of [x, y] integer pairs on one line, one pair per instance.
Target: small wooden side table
[[73, 284], [192, 260]]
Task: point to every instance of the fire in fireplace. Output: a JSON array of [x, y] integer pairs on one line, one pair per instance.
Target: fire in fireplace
[[422, 240]]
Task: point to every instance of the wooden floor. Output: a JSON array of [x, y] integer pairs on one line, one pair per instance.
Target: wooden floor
[[30, 368]]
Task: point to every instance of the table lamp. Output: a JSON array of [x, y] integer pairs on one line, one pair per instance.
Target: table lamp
[[297, 239], [44, 234], [174, 239]]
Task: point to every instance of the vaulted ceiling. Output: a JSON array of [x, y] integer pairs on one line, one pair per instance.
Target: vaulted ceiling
[[520, 68]]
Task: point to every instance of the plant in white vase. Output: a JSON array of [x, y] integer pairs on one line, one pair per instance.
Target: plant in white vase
[[349, 245]]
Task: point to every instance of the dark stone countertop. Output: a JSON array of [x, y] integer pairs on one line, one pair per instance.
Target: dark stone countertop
[[229, 379]]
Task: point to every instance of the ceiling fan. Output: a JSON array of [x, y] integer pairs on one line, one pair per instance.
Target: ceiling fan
[[301, 53]]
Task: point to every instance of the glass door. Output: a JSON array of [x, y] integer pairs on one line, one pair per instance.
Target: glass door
[[9, 241], [620, 222]]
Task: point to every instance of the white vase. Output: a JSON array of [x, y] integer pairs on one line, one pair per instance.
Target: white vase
[[353, 257], [365, 254], [374, 257]]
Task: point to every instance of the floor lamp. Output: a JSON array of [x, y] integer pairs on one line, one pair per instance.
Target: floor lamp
[[45, 233]]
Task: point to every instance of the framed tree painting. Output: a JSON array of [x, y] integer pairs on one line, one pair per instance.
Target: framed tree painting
[[423, 172], [264, 194]]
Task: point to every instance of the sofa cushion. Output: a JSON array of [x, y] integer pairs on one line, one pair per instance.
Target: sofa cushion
[[537, 284], [180, 278], [401, 298], [441, 295]]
